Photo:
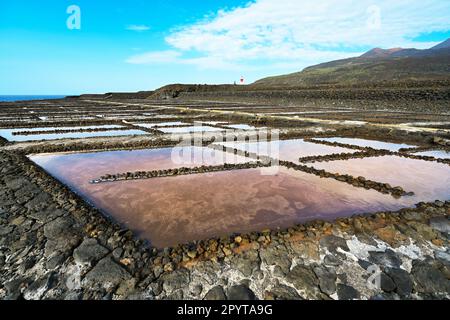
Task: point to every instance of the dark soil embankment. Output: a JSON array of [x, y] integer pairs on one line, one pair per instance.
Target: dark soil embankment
[[418, 96]]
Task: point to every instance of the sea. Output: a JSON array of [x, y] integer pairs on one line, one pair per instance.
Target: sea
[[28, 98]]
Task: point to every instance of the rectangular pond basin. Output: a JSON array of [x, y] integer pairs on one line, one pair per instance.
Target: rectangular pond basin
[[172, 210], [438, 154], [287, 150], [190, 129], [241, 126], [429, 180], [8, 133], [369, 143], [95, 164], [214, 123], [311, 112], [160, 124], [67, 128]]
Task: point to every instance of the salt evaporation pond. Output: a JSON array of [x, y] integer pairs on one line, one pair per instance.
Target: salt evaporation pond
[[172, 210], [18, 130], [438, 154], [8, 133], [369, 143], [160, 124], [287, 150], [429, 180], [190, 129], [241, 126]]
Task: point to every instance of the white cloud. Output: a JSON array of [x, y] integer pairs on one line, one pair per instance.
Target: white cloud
[[175, 57], [168, 56], [301, 32], [138, 28]]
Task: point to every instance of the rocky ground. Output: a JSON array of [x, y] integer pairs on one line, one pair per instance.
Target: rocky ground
[[54, 245]]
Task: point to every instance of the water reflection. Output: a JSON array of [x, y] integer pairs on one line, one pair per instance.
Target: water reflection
[[428, 180], [438, 154], [173, 210], [287, 150], [190, 129], [369, 143], [8, 133]]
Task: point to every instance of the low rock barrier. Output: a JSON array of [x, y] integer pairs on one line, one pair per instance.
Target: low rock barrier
[[98, 146], [343, 156], [404, 153], [417, 157], [140, 175], [360, 182], [3, 141], [62, 131], [343, 145], [40, 124]]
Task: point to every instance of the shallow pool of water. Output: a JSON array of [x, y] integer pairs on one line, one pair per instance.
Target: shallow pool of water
[[190, 129], [287, 150], [160, 124], [369, 143], [66, 128], [96, 164], [240, 126], [438, 154], [429, 180], [213, 123], [8, 134], [172, 210]]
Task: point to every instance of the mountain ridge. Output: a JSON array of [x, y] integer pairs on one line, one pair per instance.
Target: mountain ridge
[[395, 64]]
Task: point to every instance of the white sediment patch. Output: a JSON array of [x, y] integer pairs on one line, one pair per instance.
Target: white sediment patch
[[411, 251], [407, 253], [361, 250]]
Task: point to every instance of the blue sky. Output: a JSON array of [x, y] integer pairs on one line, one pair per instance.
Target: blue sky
[[140, 45]]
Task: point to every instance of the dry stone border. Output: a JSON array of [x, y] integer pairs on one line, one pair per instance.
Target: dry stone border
[[343, 156], [359, 182], [78, 130], [140, 175], [404, 154]]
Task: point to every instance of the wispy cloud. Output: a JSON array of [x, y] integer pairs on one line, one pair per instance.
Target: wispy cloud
[[138, 27], [168, 56], [300, 32], [175, 57]]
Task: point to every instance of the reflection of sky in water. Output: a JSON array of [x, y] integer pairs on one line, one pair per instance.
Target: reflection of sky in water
[[288, 150], [190, 129], [67, 128], [161, 124], [7, 134], [241, 126], [98, 163], [213, 123], [174, 210], [429, 180], [438, 154], [369, 143]]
